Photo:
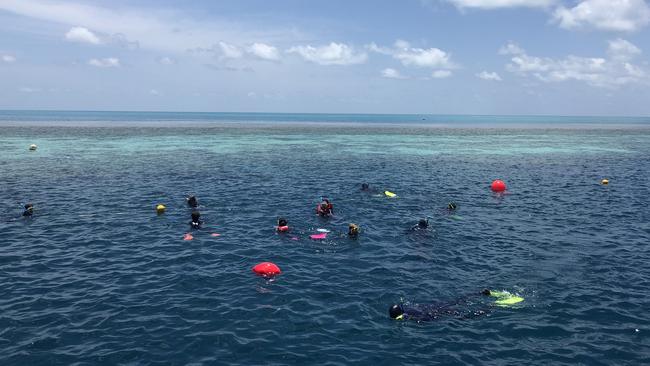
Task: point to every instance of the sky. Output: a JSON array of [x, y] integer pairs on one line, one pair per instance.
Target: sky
[[507, 57]]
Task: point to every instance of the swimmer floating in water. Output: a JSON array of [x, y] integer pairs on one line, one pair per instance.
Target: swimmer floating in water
[[196, 220], [353, 230], [29, 210], [459, 309], [283, 225], [423, 224], [325, 208], [192, 201]]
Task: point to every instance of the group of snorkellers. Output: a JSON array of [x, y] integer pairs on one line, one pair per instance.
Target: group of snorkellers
[[416, 312], [324, 209]]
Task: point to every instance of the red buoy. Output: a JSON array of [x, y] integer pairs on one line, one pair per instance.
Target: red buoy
[[498, 186], [266, 269]]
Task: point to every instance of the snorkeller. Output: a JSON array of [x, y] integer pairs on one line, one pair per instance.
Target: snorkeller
[[431, 312], [192, 201], [353, 230], [29, 210], [196, 220], [423, 224], [325, 208], [456, 309], [365, 187], [451, 206], [283, 225]]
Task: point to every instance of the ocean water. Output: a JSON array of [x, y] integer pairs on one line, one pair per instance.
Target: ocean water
[[97, 278]]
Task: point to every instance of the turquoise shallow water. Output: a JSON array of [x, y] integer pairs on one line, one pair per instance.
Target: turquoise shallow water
[[97, 278]]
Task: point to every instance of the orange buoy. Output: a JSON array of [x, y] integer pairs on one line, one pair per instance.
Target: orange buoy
[[498, 186], [188, 236], [267, 269]]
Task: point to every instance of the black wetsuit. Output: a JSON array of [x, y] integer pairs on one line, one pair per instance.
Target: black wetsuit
[[466, 307], [29, 210], [430, 312]]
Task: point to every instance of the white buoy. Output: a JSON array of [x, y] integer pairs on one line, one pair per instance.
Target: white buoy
[[32, 147]]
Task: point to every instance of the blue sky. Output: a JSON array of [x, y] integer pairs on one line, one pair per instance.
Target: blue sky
[[566, 57]]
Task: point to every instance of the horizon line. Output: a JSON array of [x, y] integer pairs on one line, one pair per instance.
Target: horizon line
[[326, 113]]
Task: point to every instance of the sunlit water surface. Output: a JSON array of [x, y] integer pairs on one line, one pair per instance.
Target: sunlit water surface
[[96, 277]]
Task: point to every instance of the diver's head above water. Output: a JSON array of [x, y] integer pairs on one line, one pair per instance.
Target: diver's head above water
[[423, 223], [353, 229], [196, 215], [282, 222], [365, 186], [192, 201], [196, 219], [451, 206], [29, 210], [396, 312]]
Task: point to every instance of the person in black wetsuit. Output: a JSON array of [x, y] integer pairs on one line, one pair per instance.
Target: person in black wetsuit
[[192, 201], [423, 224], [29, 210], [365, 187], [459, 309], [196, 220]]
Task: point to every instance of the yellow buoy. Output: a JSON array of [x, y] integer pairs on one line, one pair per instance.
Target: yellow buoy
[[604, 182], [32, 147], [160, 209], [390, 194]]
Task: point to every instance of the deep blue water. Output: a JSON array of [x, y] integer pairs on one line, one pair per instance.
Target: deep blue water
[[96, 277], [86, 118]]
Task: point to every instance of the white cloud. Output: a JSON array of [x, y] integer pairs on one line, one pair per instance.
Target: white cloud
[[230, 51], [597, 71], [105, 62], [419, 57], [441, 74], [7, 58], [620, 49], [492, 76], [432, 57], [29, 90], [373, 47], [611, 15], [83, 35], [510, 49], [166, 61], [391, 74], [154, 28], [495, 4], [332, 54], [264, 51]]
